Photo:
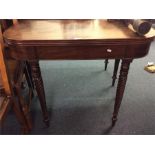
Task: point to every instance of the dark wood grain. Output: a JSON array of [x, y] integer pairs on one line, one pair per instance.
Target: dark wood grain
[[121, 87], [114, 77], [106, 64], [63, 30], [37, 78], [34, 40]]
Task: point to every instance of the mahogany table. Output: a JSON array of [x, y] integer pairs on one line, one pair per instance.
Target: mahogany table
[[34, 40]]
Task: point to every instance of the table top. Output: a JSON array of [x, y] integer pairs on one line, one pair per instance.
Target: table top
[[61, 30]]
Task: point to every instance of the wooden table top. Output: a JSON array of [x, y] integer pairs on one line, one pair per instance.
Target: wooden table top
[[56, 30]]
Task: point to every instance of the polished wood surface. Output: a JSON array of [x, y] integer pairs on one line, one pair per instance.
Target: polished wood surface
[[34, 40], [70, 30], [75, 39]]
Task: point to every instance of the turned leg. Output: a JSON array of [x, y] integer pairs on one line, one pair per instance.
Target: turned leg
[[28, 77], [29, 74], [106, 64], [121, 87], [37, 78], [114, 77]]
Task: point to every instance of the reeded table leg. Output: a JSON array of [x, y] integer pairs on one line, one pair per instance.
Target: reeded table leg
[[37, 78], [114, 77], [121, 87], [28, 73]]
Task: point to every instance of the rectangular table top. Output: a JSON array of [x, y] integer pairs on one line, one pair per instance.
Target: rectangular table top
[[34, 30]]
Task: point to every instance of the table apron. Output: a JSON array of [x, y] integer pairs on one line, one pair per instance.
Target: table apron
[[79, 52]]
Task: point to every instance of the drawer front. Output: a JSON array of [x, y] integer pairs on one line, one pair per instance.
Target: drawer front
[[81, 52]]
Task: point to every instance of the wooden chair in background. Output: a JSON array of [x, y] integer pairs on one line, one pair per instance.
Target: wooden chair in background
[[8, 99], [13, 73], [6, 24]]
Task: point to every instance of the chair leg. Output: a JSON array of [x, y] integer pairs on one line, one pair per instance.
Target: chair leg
[[106, 64], [20, 117], [10, 102], [114, 77], [24, 107], [5, 107]]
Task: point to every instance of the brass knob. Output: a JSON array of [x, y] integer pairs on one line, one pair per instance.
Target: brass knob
[[109, 50]]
